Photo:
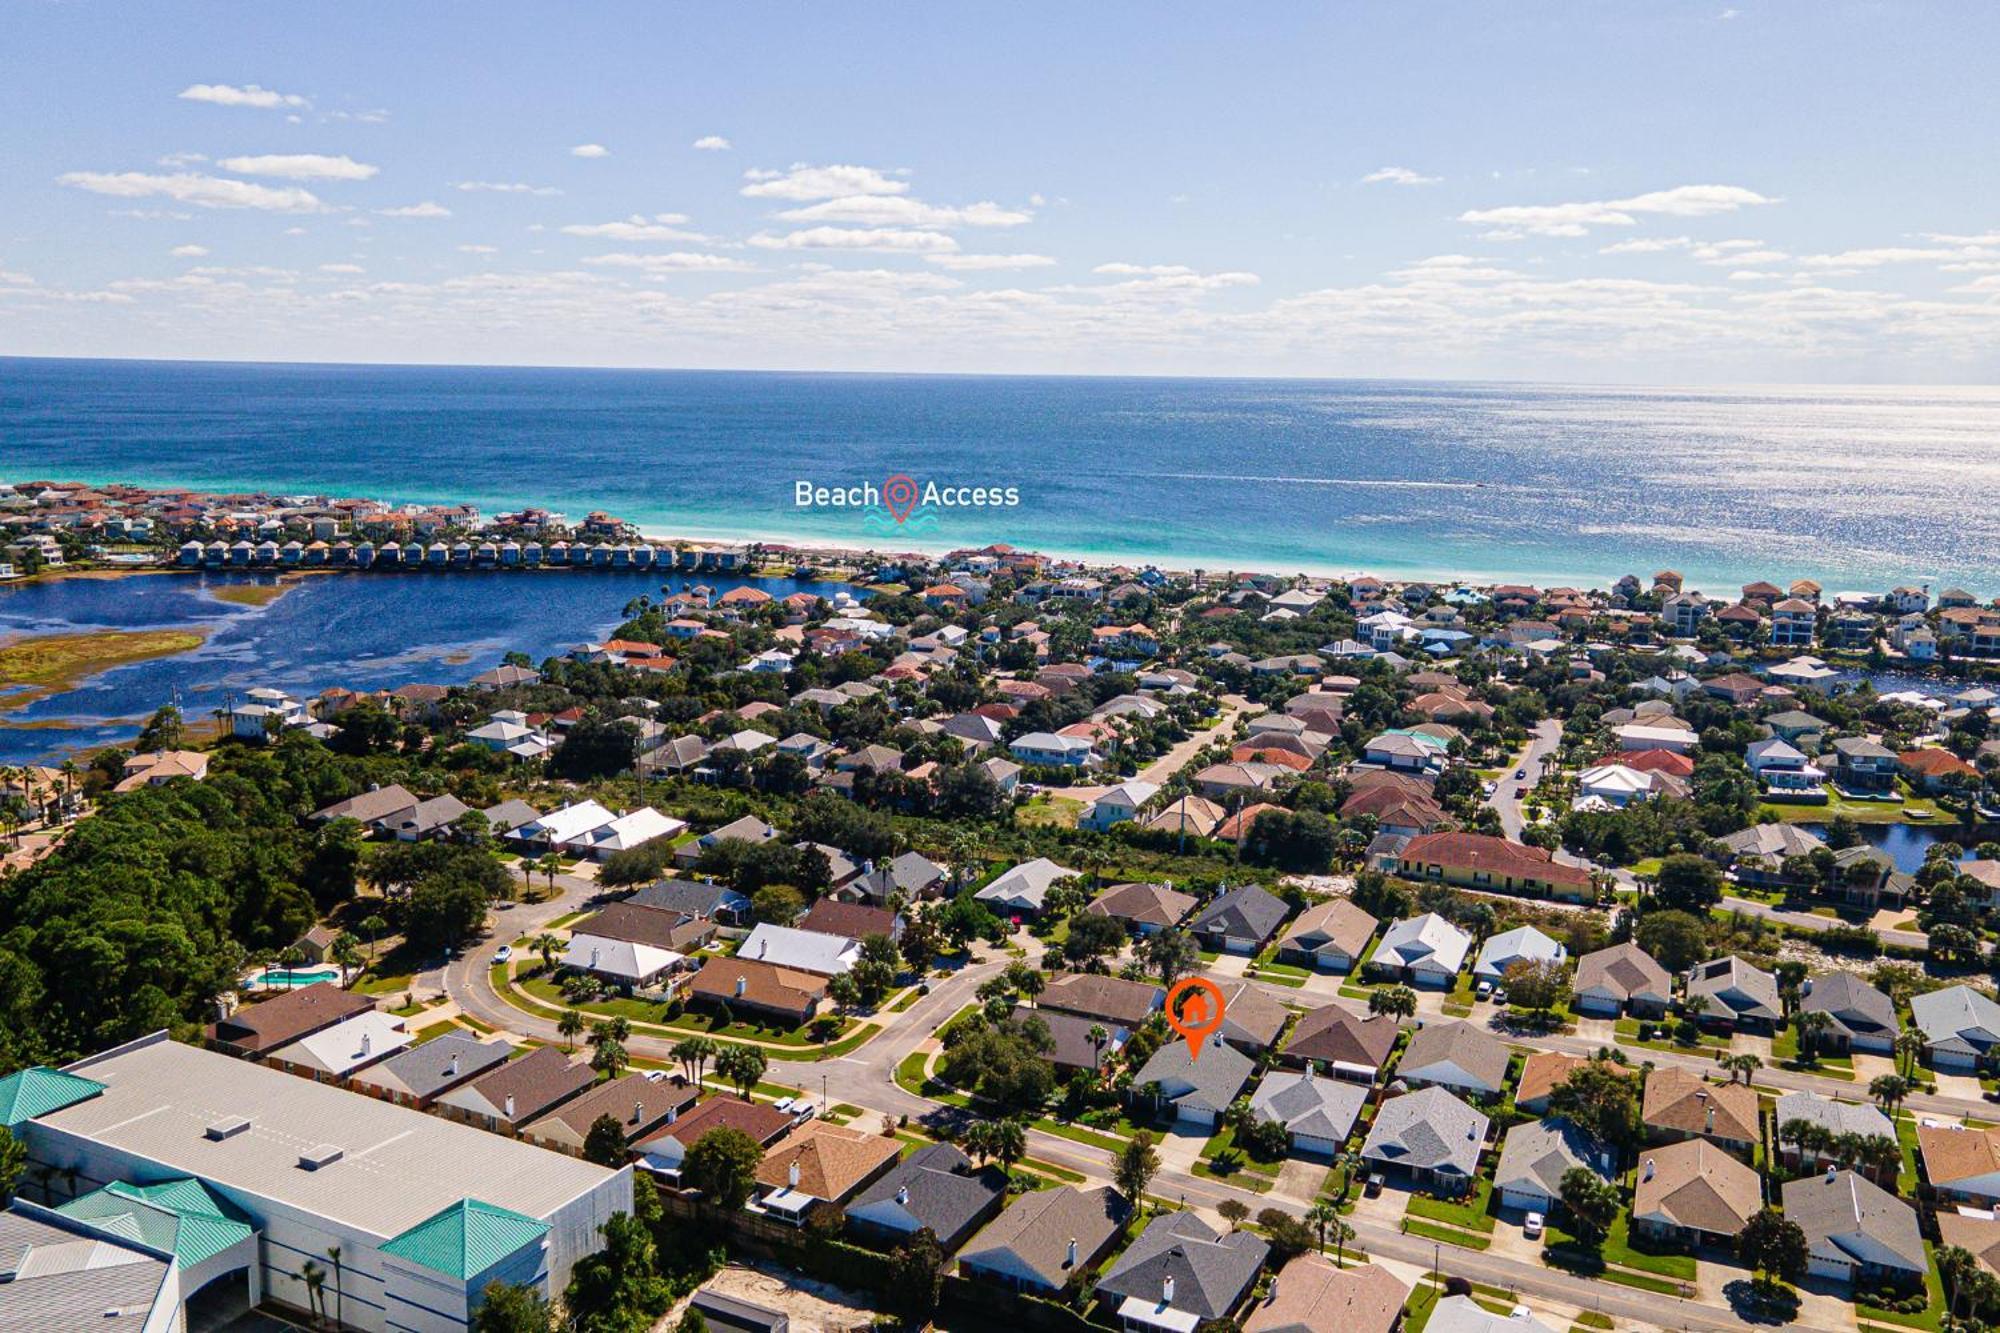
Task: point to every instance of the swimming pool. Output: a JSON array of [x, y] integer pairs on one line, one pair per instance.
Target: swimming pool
[[291, 978]]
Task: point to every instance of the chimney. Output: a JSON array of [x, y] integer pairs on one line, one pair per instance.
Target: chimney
[[1649, 1170], [510, 1106], [638, 1112], [742, 984], [1167, 1290], [593, 957], [903, 1195], [367, 1042], [1711, 1118], [792, 1174], [1831, 1171], [451, 1070], [1071, 1261]]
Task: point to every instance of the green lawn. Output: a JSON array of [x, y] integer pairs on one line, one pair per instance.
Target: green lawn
[[1785, 1050], [1449, 1235], [1226, 1140], [1931, 1316], [1617, 1249], [691, 1021], [1471, 1213], [433, 1032]]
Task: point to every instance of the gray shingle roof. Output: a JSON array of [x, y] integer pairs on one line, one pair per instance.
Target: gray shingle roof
[[1473, 1049], [1855, 1006], [1250, 912], [1032, 1236], [1211, 1082], [1957, 1018], [1847, 1217], [1538, 1154], [426, 1070], [944, 1192], [1321, 1107], [1430, 1130], [1210, 1273]]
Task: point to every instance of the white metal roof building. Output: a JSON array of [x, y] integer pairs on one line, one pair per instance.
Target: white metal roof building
[[425, 1211], [803, 950]]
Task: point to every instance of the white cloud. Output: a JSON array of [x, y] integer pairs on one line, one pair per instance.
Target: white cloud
[[188, 251], [638, 227], [892, 240], [505, 187], [804, 182], [1892, 254], [194, 188], [479, 249], [178, 160], [590, 150], [988, 263], [1576, 219], [893, 210], [301, 167], [342, 268], [712, 143], [1647, 245], [1398, 176], [675, 262], [427, 209], [224, 94], [1160, 280]]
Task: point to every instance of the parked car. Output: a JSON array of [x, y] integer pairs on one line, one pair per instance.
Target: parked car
[[1483, 989], [1520, 773], [1373, 1185], [503, 953], [1533, 1227]]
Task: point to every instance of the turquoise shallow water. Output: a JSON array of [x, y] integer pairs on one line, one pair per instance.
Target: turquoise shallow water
[[1857, 488]]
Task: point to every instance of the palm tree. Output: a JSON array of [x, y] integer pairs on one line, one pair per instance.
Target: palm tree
[[548, 945], [315, 1278], [1745, 1064], [1323, 1214], [339, 1297], [1097, 1037], [1889, 1090], [569, 1025], [348, 955], [1909, 1045], [1811, 1025], [694, 1053], [375, 928], [1010, 1142], [1030, 983]]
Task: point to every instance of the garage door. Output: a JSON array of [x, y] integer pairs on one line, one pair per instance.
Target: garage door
[[1311, 1143], [1833, 1268], [1195, 1115], [1533, 1200]]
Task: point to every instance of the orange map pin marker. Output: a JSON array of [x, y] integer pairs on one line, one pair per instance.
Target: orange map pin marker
[[1199, 1013]]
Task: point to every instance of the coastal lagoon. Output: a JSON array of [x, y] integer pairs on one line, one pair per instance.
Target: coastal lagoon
[[1860, 488], [362, 631]]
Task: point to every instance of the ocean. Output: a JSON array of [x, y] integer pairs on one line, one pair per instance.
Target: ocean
[[1858, 488]]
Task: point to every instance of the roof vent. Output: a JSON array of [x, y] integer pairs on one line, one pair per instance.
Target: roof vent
[[226, 1128], [903, 1195], [1649, 1169], [1070, 1262], [1831, 1172], [510, 1106], [792, 1174], [316, 1159], [638, 1112]]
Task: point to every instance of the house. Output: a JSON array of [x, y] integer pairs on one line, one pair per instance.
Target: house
[[1405, 751], [911, 876], [639, 1104], [1463, 1314], [1337, 1040], [628, 831], [1252, 1019], [1043, 749], [1615, 786], [1932, 770], [665, 1148], [655, 927], [1738, 995], [821, 1163], [419, 1075], [1535, 1155], [692, 899], [1311, 1295], [1319, 1113], [1328, 937], [1240, 920], [1073, 1048], [1784, 770], [1679, 1104], [517, 1092], [1865, 876], [1431, 1137], [1541, 1074], [1523, 944], [1455, 1055], [1495, 865], [1023, 890], [1118, 805], [852, 921], [1962, 1164], [370, 807], [1642, 736], [1190, 816], [1425, 951], [1758, 853], [1856, 1231], [1180, 1273], [1107, 1000], [1977, 1233], [1862, 1018], [733, 1315], [564, 828], [257, 1029], [1960, 1026], [1144, 909], [1837, 1118], [152, 769], [1864, 767], [621, 962], [1047, 1237], [424, 820], [936, 1187], [748, 829], [1198, 1090], [1621, 979], [799, 950], [425, 1213], [748, 985], [331, 1054], [1693, 1193]]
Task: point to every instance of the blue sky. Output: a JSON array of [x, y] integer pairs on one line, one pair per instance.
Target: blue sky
[[1663, 193]]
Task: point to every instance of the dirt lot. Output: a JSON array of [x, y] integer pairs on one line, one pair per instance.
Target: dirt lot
[[814, 1307]]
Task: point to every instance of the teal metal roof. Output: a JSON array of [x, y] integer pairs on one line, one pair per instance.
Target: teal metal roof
[[181, 1216], [466, 1239], [36, 1091]]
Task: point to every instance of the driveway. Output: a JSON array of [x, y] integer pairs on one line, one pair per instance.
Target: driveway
[[1542, 743]]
